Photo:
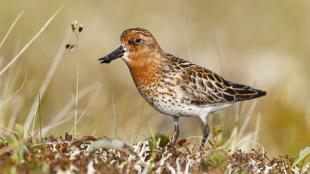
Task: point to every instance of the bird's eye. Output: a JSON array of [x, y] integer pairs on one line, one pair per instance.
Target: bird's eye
[[137, 41]]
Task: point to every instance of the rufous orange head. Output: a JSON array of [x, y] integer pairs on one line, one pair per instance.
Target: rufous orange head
[[138, 46]]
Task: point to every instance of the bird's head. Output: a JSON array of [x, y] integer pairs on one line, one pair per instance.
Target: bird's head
[[137, 46]]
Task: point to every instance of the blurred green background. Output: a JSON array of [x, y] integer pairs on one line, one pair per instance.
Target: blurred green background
[[264, 44]]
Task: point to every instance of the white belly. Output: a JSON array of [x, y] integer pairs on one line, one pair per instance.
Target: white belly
[[176, 108]]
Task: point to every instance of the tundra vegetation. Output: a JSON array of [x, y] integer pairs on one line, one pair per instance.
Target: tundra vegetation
[[60, 111]]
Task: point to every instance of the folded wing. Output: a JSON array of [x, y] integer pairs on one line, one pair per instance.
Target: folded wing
[[204, 87]]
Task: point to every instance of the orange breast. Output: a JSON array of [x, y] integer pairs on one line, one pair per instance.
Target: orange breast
[[143, 74]]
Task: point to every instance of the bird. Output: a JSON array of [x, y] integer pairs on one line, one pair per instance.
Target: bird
[[174, 86]]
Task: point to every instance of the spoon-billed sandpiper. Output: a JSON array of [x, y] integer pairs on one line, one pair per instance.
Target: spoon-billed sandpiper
[[174, 86]]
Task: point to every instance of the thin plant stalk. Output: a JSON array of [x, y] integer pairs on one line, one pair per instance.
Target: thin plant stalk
[[46, 81], [34, 119], [221, 57], [94, 132], [40, 118], [38, 114], [257, 126], [46, 129], [77, 81], [16, 92], [11, 28], [29, 43], [62, 116], [88, 106], [115, 116], [246, 122]]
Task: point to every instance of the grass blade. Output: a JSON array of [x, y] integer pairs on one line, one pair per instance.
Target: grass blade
[[302, 155], [11, 28], [92, 100], [46, 82], [60, 117], [29, 43]]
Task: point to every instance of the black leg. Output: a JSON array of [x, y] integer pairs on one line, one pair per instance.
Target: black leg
[[206, 131], [176, 129]]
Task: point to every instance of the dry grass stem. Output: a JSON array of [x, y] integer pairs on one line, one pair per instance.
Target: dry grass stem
[[11, 28], [30, 42], [46, 81], [91, 102]]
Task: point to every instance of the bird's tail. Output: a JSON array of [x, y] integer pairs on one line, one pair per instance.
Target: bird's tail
[[245, 92]]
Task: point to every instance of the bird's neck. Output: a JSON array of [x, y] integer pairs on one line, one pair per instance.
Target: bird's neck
[[145, 71]]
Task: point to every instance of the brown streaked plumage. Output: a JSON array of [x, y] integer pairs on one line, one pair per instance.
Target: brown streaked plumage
[[174, 86]]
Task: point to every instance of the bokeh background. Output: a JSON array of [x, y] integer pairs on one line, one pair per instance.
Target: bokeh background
[[262, 43]]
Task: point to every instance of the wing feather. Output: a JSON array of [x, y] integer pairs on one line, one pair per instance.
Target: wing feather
[[204, 87]]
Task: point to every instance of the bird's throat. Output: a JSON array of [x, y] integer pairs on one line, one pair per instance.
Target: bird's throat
[[144, 71]]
